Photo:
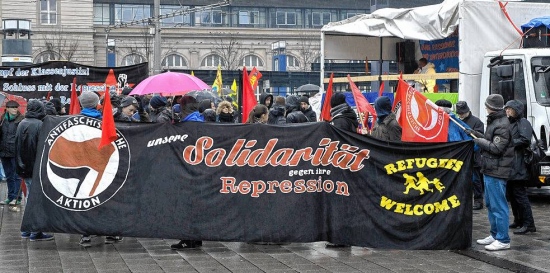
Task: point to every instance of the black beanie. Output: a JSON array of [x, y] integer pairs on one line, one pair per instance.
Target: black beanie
[[337, 99], [158, 101], [462, 107], [494, 102], [304, 99], [126, 91]]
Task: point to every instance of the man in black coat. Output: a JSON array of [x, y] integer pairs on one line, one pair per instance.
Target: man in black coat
[[343, 117], [306, 109], [8, 126], [26, 144], [464, 113]]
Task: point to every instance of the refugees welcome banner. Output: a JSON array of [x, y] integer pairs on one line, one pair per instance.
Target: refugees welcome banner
[[250, 182]]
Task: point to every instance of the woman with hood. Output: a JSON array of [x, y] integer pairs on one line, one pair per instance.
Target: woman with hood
[[225, 112], [266, 99], [522, 132], [386, 128], [343, 117], [8, 128]]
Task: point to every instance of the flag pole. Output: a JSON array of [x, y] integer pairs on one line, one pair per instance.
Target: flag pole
[[460, 125]]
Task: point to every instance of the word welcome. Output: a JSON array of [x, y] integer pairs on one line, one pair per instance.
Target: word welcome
[[420, 209]]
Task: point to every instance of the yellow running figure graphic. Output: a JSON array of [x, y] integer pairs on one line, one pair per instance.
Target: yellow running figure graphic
[[438, 185], [410, 182], [421, 183]]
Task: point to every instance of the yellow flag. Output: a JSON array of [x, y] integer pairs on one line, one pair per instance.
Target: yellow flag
[[217, 85], [234, 86], [192, 73], [233, 94]]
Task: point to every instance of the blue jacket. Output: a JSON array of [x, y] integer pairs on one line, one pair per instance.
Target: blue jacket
[[195, 116], [91, 112]]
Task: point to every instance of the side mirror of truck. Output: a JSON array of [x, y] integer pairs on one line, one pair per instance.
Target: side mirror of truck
[[494, 61]]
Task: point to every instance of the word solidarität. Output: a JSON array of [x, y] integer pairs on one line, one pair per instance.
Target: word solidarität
[[419, 163], [420, 209], [255, 188], [345, 156]]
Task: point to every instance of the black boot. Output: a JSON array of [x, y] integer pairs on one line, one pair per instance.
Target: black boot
[[525, 230]]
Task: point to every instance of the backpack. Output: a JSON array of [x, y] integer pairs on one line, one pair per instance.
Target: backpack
[[533, 155]]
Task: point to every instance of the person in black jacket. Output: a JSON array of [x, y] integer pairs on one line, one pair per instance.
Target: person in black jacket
[[464, 113], [266, 99], [343, 117], [277, 113], [293, 113], [497, 161], [522, 132], [8, 127], [386, 128], [306, 109], [26, 144]]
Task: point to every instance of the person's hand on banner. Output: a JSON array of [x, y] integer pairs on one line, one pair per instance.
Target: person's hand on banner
[[474, 133]]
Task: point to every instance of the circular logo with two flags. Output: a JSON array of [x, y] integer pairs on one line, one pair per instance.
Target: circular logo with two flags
[[75, 173]]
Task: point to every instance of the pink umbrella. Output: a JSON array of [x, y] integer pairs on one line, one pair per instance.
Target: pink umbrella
[[169, 84]]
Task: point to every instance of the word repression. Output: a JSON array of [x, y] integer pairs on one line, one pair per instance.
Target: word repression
[[344, 156]]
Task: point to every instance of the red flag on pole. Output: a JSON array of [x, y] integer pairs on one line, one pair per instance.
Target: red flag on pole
[[381, 91], [362, 104], [325, 110], [254, 77], [108, 130], [249, 100], [74, 107], [420, 118]]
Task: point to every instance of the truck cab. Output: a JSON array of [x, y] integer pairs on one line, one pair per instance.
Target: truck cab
[[524, 75]]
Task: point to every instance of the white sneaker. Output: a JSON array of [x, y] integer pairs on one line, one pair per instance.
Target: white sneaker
[[487, 241], [496, 245]]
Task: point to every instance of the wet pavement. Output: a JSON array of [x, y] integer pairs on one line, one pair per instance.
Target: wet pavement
[[528, 253]]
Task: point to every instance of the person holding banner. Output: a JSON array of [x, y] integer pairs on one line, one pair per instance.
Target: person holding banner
[[387, 128], [497, 157], [522, 132], [343, 117]]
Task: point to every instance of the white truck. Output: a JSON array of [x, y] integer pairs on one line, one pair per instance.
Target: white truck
[[490, 56]]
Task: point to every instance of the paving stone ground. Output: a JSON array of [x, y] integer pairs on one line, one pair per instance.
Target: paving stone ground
[[529, 253]]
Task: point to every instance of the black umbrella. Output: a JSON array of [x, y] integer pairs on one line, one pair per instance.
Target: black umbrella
[[308, 88], [202, 95]]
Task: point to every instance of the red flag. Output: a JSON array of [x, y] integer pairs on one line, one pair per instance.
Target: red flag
[[381, 91], [74, 107], [362, 104], [108, 130], [249, 100], [254, 76], [325, 110], [24, 188], [420, 118]]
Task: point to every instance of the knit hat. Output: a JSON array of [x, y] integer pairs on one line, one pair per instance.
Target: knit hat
[[337, 99], [12, 104], [494, 102], [127, 101], [126, 91], [158, 101], [88, 99], [304, 99], [462, 107]]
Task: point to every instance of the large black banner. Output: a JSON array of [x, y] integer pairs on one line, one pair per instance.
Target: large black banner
[[246, 183], [55, 78]]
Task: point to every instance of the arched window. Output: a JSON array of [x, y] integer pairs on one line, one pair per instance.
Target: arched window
[[47, 56], [174, 60], [292, 62], [132, 59], [252, 60], [212, 60]]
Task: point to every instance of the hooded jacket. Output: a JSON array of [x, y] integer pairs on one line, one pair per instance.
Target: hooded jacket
[[292, 104], [388, 129], [277, 115], [343, 117], [309, 113], [522, 132], [8, 128], [26, 138], [263, 97], [161, 114], [496, 151]]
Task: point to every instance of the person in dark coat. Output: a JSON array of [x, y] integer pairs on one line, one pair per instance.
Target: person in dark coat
[[259, 114], [225, 112], [497, 157], [8, 127], [128, 107], [306, 109], [293, 113], [58, 106], [159, 110], [464, 113], [26, 144], [522, 132], [266, 99], [277, 113], [386, 128], [343, 117], [209, 115], [205, 104]]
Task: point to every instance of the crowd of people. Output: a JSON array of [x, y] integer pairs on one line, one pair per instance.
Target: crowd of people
[[499, 172]]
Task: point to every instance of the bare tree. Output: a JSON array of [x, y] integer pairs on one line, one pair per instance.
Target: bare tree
[[308, 50], [229, 49], [59, 45], [140, 47]]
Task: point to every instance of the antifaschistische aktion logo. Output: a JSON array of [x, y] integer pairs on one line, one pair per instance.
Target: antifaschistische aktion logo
[[74, 173]]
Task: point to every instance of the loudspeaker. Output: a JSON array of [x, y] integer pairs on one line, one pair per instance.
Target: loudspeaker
[[409, 67], [537, 37], [405, 52]]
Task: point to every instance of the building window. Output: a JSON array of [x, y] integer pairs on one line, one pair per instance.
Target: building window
[[212, 60], [249, 17], [252, 60], [286, 18], [292, 62], [320, 18], [210, 17], [48, 12], [132, 59], [47, 56], [174, 60], [127, 13], [102, 14], [174, 21]]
